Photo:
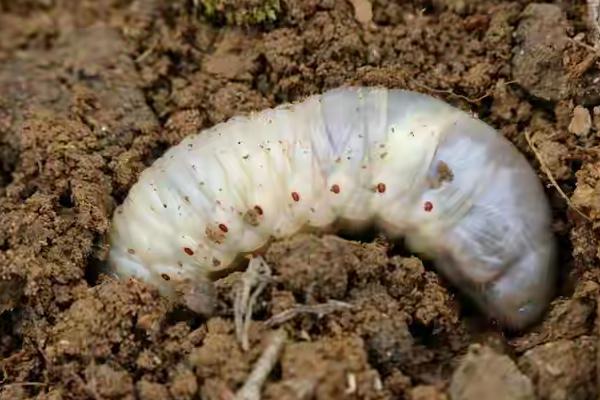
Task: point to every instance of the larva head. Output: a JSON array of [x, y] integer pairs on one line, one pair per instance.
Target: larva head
[[484, 217]]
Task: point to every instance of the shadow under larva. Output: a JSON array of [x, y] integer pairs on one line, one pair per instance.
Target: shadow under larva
[[407, 163]]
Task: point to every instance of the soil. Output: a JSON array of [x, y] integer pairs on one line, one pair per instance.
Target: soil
[[91, 92]]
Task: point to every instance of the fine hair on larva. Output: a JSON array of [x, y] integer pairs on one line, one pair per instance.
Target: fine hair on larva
[[411, 165]]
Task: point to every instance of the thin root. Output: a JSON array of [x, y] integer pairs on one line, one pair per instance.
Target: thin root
[[585, 46], [318, 309], [24, 384], [450, 92], [256, 277], [551, 178], [262, 368]]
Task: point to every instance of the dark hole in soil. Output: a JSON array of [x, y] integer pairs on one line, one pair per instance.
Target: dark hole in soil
[[92, 271], [8, 162], [9, 341], [157, 152], [66, 199]]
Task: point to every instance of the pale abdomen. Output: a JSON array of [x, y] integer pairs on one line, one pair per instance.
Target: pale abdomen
[[361, 154]]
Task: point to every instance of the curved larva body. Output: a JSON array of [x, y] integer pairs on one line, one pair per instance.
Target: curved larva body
[[414, 165]]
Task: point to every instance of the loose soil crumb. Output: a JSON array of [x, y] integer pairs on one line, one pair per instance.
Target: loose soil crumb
[[563, 369], [485, 374], [92, 92]]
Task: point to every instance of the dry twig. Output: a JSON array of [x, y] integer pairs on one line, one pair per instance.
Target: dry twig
[[262, 368], [256, 277]]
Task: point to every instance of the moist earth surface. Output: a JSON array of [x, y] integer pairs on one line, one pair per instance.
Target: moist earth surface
[[91, 92]]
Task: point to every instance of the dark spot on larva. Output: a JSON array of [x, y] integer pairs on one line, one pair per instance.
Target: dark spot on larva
[[216, 262], [188, 251], [214, 234], [220, 189], [247, 156], [223, 228], [119, 211], [428, 206], [131, 251], [239, 142], [190, 145], [312, 209], [335, 188], [364, 167], [381, 187], [295, 196], [180, 264], [165, 277], [411, 133], [444, 172], [252, 217], [186, 198], [258, 209], [381, 146], [383, 155], [202, 183], [164, 205], [393, 129]]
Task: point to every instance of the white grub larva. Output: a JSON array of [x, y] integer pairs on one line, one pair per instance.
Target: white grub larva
[[413, 165]]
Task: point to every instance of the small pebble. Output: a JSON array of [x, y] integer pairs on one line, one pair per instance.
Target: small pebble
[[581, 123], [363, 11], [596, 118]]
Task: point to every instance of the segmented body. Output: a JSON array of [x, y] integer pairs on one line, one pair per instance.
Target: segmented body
[[415, 166]]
